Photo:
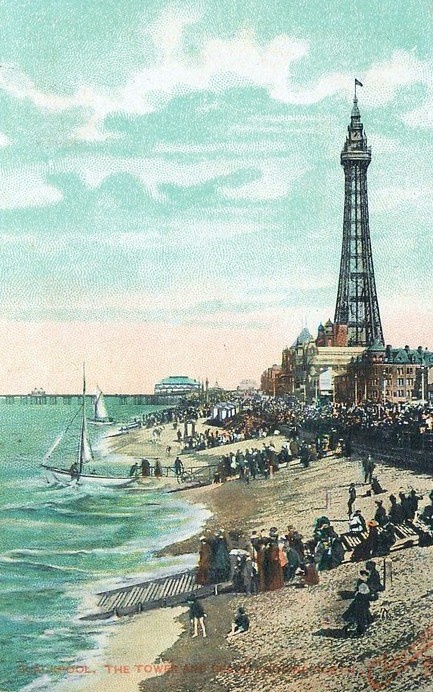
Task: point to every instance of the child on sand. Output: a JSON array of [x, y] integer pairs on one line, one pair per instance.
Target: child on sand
[[196, 615]]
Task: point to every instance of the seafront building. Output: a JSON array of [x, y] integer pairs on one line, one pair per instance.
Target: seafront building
[[348, 360], [177, 385]]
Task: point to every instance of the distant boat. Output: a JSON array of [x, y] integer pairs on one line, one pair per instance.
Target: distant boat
[[75, 474], [100, 413]]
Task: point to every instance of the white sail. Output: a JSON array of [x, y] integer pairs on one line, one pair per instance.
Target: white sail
[[101, 412], [54, 446], [86, 453]]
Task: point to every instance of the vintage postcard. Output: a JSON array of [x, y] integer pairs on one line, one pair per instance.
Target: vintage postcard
[[216, 390]]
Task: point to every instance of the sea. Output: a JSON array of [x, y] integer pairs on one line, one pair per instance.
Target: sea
[[60, 546]]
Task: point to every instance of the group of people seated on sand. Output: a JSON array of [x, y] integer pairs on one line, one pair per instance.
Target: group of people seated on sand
[[380, 530]]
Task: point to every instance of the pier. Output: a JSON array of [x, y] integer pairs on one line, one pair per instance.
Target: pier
[[42, 399], [158, 593]]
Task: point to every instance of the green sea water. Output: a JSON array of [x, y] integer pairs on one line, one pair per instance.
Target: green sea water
[[61, 545]]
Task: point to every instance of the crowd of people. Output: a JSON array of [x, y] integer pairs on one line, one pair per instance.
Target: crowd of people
[[387, 424]]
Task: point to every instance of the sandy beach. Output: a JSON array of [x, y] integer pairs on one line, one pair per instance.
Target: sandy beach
[[295, 638]]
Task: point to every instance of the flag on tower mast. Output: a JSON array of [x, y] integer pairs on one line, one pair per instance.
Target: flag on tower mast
[[357, 83]]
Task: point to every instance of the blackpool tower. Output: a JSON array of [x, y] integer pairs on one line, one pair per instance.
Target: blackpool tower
[[357, 308]]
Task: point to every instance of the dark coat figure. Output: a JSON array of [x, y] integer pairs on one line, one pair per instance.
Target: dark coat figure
[[352, 498], [427, 515], [406, 507], [395, 513], [293, 563], [369, 546], [358, 613], [413, 500], [373, 580], [145, 468], [347, 447], [322, 555], [221, 560], [295, 542], [242, 574], [304, 453], [195, 608], [178, 466], [241, 621], [376, 486], [204, 563], [273, 570], [337, 552], [386, 538], [158, 469], [74, 470], [380, 513]]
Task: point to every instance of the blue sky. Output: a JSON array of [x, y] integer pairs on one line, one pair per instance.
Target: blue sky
[[172, 198]]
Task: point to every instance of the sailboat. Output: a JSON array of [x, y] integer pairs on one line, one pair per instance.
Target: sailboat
[[76, 474], [100, 413]]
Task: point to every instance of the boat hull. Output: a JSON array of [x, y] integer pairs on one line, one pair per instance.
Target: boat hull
[[94, 421], [62, 477]]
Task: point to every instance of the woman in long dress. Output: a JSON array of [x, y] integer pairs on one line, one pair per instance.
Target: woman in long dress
[[204, 562], [357, 615]]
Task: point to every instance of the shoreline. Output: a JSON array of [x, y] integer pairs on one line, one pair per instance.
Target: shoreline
[[294, 496]]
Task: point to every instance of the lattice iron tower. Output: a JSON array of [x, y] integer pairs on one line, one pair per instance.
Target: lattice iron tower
[[357, 306]]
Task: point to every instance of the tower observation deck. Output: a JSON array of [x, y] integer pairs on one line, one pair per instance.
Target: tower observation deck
[[357, 306]]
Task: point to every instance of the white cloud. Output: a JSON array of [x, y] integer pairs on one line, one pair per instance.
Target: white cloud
[[383, 79], [275, 182], [220, 64], [26, 187], [4, 140], [386, 198], [274, 177], [383, 144]]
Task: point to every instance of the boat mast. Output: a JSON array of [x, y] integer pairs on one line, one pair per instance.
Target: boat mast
[[83, 424]]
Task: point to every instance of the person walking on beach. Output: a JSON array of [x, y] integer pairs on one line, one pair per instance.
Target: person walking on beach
[[196, 615], [352, 498], [178, 466], [370, 468]]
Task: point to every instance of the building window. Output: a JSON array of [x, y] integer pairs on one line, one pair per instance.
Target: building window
[[400, 371], [409, 371], [400, 382]]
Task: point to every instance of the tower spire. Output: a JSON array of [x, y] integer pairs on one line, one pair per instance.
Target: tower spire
[[357, 306]]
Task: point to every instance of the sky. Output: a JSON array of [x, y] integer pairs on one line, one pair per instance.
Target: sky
[[171, 197]]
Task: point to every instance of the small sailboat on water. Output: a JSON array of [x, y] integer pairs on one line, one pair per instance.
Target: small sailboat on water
[[100, 413], [76, 474]]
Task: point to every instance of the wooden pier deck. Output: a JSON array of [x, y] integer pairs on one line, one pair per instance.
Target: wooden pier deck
[[164, 591]]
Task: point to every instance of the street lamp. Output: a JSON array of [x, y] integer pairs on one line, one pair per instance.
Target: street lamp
[[356, 389], [422, 379]]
